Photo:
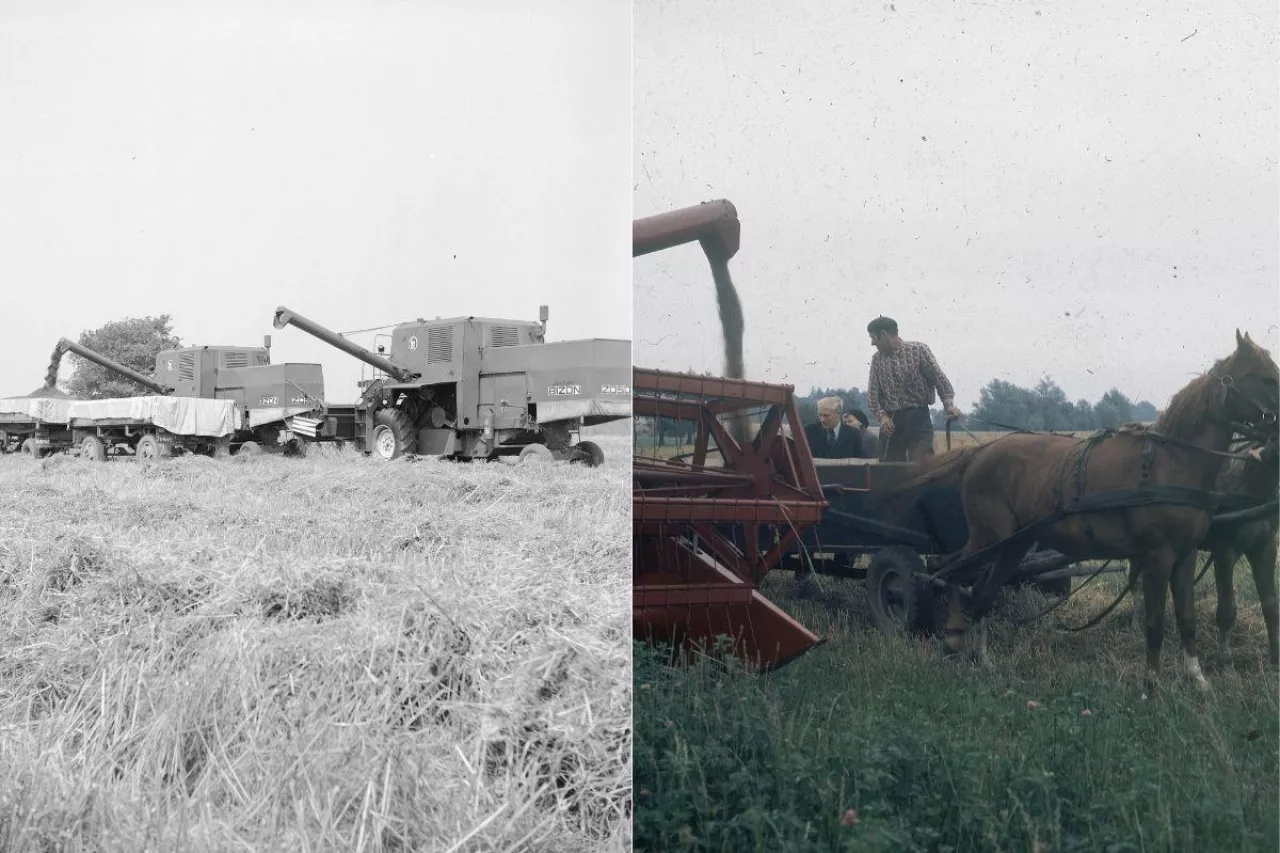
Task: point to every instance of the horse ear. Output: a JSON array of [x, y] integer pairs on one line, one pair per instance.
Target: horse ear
[[1239, 340]]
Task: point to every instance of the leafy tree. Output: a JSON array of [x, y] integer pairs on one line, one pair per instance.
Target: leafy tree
[[1145, 412], [133, 342], [1113, 409]]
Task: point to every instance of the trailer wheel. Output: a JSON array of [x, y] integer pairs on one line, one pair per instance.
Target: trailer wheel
[[589, 454], [393, 434], [29, 448], [250, 448], [900, 604], [149, 447], [93, 448]]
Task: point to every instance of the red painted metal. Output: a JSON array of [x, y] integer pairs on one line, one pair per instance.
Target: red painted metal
[[699, 550]]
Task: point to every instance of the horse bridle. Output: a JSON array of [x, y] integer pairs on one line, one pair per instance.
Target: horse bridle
[[1264, 426]]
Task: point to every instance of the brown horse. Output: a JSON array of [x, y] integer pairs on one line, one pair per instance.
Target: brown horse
[[1225, 544], [1022, 478]]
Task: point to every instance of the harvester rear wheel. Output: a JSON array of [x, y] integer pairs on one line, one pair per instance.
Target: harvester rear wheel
[[93, 448], [900, 604], [536, 452], [590, 454], [393, 434], [249, 448]]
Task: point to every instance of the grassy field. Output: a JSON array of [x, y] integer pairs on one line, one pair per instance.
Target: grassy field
[[316, 654], [873, 743]]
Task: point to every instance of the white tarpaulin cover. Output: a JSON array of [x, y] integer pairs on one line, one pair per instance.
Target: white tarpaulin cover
[[48, 409], [178, 415], [563, 410], [258, 417]]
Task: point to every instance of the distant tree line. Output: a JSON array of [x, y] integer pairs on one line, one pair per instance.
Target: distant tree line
[[1003, 405]]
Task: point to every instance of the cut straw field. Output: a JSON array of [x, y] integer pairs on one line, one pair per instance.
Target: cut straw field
[[328, 653]]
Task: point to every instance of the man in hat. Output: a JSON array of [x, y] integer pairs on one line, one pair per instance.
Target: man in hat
[[904, 377]]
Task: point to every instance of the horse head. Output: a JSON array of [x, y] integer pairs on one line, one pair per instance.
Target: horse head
[[1250, 386]]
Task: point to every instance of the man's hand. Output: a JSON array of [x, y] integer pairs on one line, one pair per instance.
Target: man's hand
[[952, 412], [886, 425]]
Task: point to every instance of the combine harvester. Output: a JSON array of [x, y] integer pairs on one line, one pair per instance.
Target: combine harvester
[[697, 520], [210, 400], [476, 388]]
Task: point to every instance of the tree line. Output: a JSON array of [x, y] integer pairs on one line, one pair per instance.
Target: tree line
[[1004, 405]]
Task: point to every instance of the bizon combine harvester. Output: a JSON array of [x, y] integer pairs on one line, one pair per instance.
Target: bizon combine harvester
[[262, 396], [698, 519], [476, 388]]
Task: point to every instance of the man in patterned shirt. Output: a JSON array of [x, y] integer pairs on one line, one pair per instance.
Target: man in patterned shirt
[[904, 375]]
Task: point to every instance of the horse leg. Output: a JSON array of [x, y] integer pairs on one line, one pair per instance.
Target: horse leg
[[1183, 581], [956, 628], [1136, 610], [1155, 569], [1262, 562], [984, 597], [1224, 566]]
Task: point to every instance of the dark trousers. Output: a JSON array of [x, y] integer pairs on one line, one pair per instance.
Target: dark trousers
[[912, 437]]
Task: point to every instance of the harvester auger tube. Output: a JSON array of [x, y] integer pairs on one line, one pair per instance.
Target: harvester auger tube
[[714, 224], [65, 346], [285, 317]]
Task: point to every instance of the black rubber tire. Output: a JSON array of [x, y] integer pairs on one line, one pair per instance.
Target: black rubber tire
[[393, 434], [149, 447], [93, 448], [591, 454], [900, 604]]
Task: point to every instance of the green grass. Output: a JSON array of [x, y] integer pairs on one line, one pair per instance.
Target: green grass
[[933, 755], [330, 653]]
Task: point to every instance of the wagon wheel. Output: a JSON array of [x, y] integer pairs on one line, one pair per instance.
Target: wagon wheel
[[93, 448], [149, 447], [590, 454], [249, 448], [900, 604]]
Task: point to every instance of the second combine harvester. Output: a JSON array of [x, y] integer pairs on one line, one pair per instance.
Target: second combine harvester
[[477, 388]]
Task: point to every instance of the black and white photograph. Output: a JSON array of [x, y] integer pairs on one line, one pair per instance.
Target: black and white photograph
[[315, 413]]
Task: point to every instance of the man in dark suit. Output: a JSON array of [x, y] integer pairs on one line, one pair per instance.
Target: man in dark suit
[[829, 438]]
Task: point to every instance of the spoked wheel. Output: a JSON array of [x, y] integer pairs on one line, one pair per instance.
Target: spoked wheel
[[900, 604], [393, 434], [536, 453], [589, 454], [93, 448], [149, 447]]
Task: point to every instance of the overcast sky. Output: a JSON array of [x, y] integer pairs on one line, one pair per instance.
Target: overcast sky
[[1085, 190], [362, 163]]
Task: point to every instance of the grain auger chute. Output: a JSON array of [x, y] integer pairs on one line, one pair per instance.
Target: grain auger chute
[[711, 523]]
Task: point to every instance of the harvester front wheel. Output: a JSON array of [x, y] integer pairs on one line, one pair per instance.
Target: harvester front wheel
[[589, 454], [393, 434], [93, 448], [249, 448]]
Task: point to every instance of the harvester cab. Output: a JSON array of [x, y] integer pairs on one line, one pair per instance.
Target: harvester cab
[[481, 388]]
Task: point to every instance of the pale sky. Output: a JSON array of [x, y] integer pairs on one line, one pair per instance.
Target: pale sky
[[1085, 190], [363, 163]]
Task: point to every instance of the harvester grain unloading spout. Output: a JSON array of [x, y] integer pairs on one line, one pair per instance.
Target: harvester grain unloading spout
[[64, 346], [285, 317]]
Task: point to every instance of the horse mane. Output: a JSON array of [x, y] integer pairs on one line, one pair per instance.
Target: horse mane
[[1188, 409]]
